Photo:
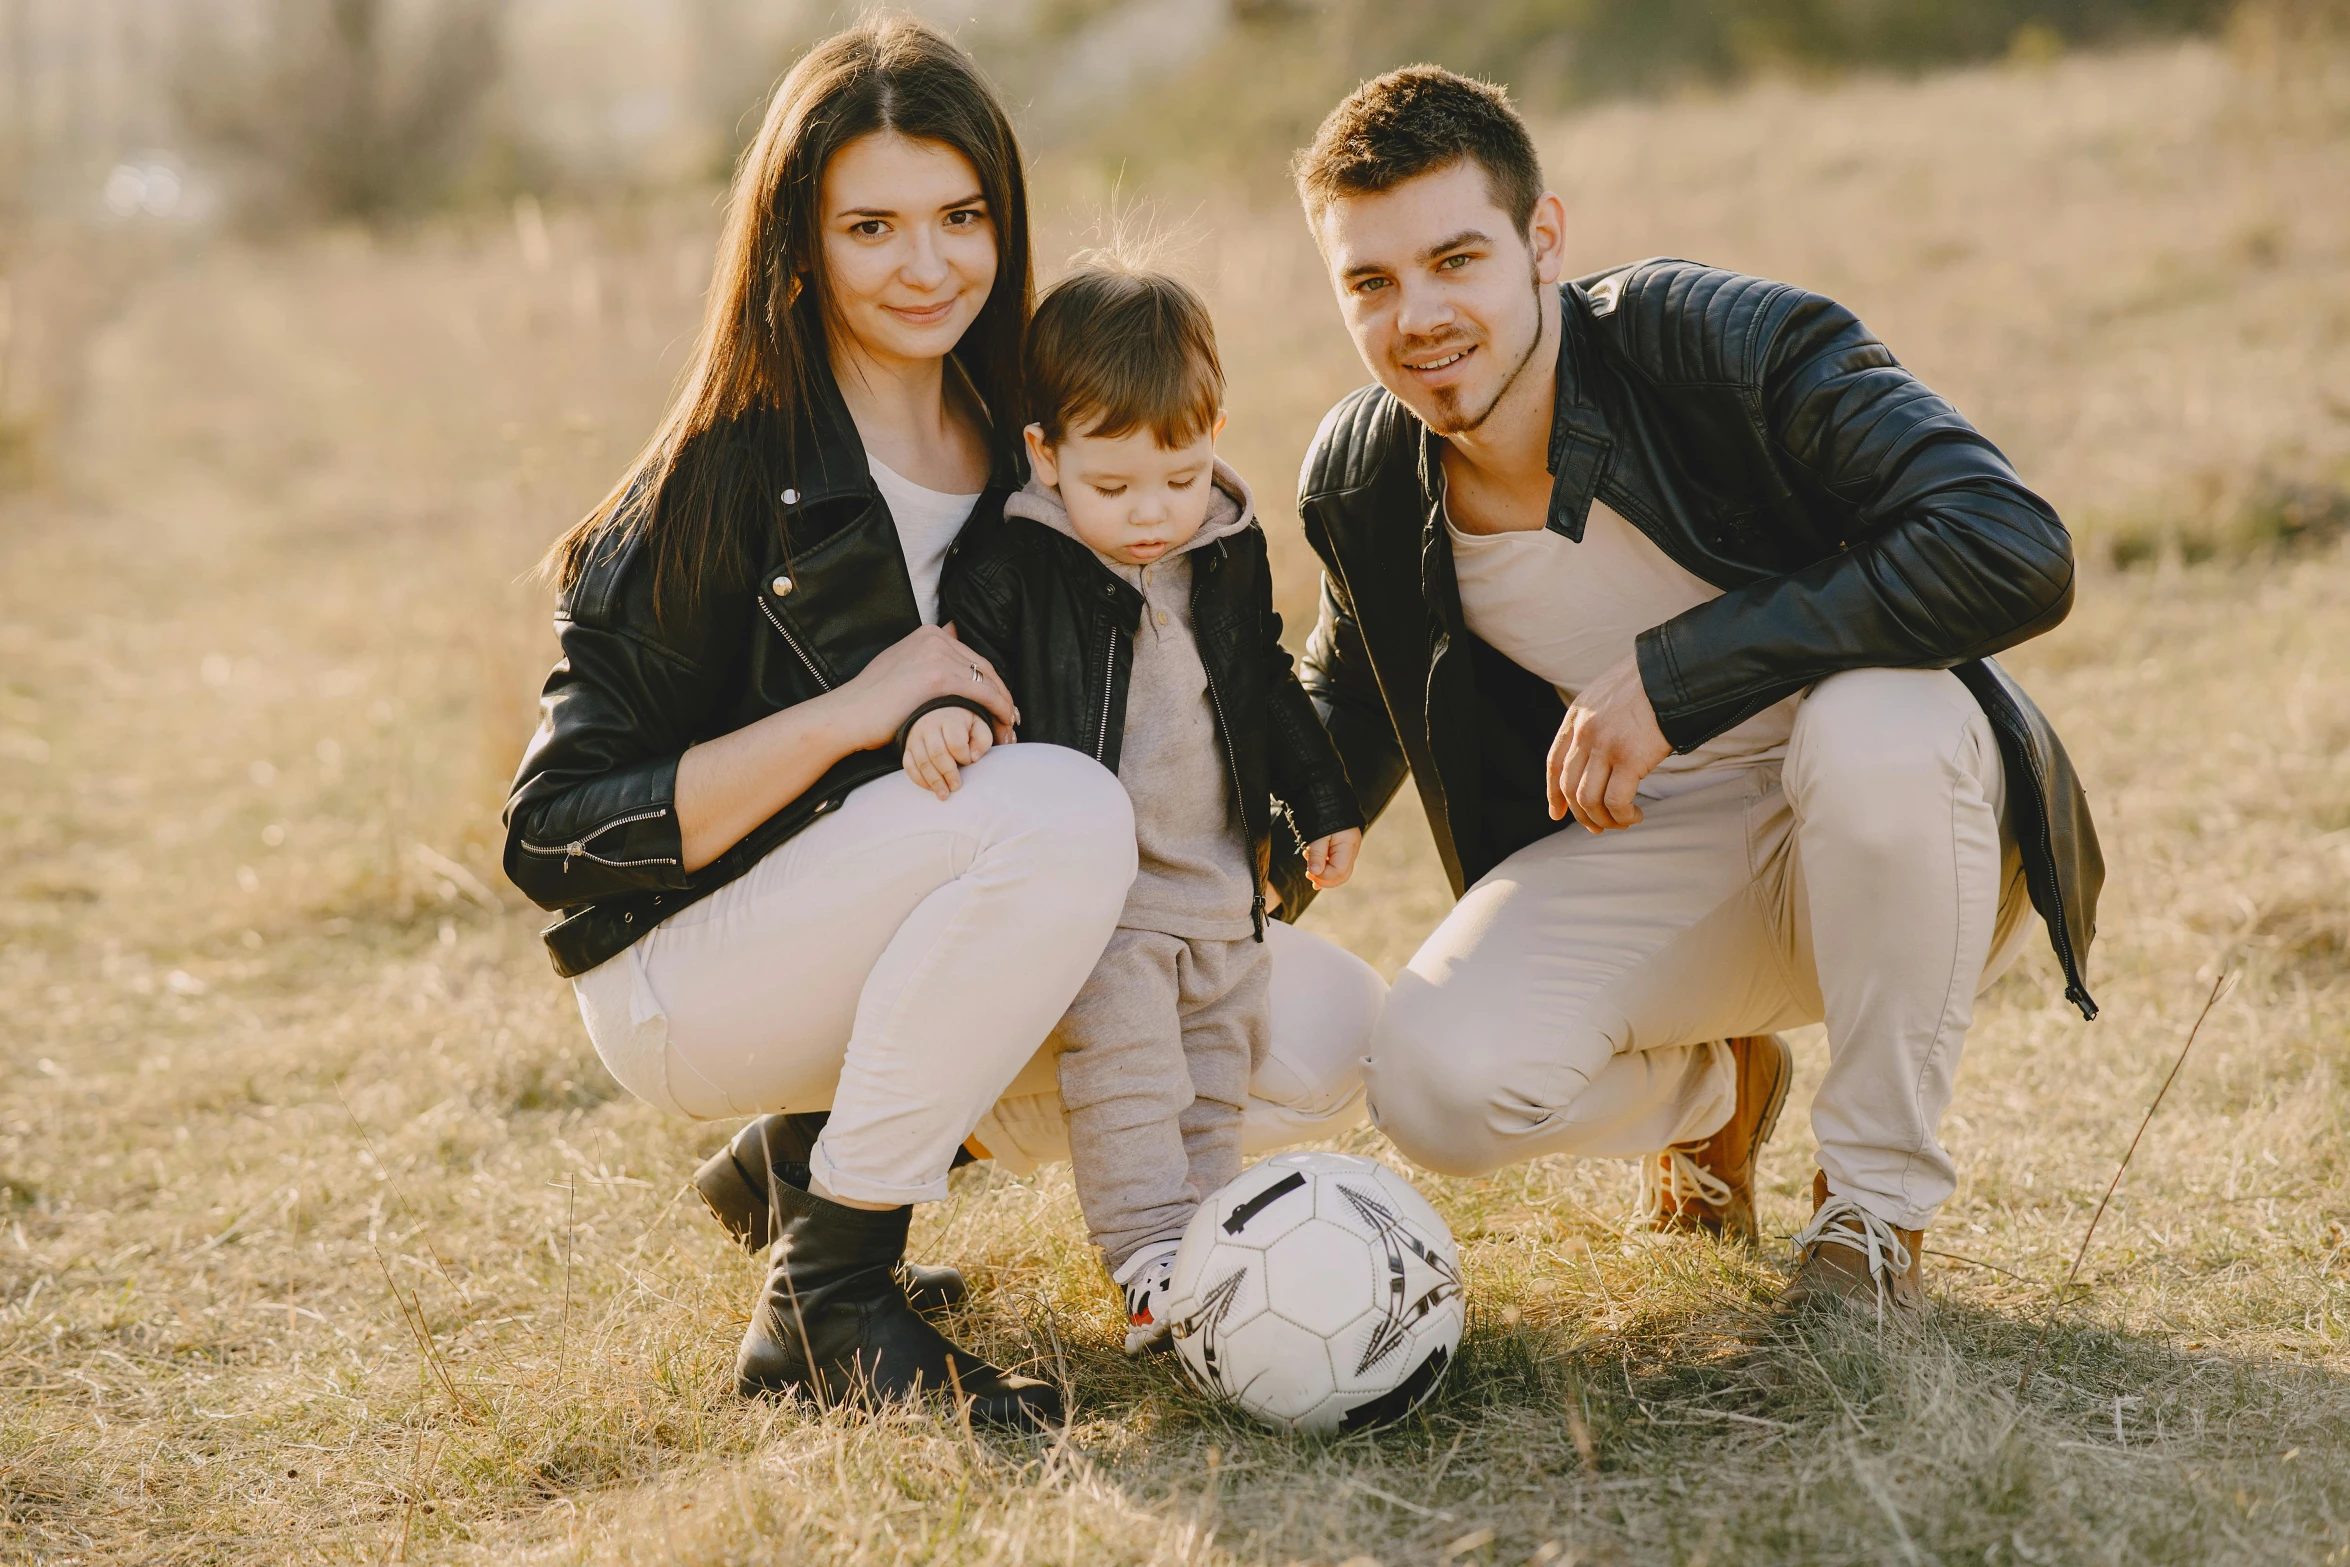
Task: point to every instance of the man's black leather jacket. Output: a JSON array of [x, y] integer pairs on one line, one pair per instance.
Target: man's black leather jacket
[[1059, 628], [1763, 439], [821, 587]]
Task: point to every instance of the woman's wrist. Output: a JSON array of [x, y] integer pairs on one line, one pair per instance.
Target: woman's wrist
[[843, 721], [728, 785]]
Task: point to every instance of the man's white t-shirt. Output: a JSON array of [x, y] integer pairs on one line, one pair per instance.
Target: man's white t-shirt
[[927, 521], [1567, 612]]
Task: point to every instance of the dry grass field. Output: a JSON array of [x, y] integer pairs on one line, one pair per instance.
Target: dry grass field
[[324, 1236]]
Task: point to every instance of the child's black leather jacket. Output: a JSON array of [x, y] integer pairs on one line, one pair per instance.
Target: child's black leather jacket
[[1059, 628]]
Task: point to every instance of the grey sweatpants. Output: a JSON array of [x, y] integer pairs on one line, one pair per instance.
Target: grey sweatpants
[[1155, 1058]]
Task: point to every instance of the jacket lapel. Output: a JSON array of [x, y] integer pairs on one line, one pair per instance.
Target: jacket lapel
[[849, 593], [1450, 700], [1579, 439]]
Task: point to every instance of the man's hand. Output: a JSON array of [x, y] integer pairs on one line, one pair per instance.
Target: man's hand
[[942, 742], [1330, 861], [1609, 743]]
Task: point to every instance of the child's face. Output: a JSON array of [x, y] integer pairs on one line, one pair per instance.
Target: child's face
[[1129, 497]]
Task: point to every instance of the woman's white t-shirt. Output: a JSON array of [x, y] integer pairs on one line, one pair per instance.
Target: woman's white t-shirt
[[928, 521]]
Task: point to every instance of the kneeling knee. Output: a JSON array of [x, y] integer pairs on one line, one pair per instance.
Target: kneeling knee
[[1074, 798], [1876, 747], [1433, 1107], [1435, 1137], [1437, 1146]]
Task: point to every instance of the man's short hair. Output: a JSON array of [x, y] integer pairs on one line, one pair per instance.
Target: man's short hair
[[1114, 349], [1417, 121]]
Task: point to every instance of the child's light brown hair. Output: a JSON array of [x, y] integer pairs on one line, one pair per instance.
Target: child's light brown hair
[[1113, 349]]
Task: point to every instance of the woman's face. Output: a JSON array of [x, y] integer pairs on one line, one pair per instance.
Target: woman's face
[[909, 246]]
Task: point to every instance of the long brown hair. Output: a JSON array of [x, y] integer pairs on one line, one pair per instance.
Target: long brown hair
[[763, 346]]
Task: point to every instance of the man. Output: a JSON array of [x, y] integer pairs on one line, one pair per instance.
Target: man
[[1674, 593]]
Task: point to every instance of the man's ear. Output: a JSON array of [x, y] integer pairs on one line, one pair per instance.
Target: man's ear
[[1040, 457], [1217, 429], [1546, 237]]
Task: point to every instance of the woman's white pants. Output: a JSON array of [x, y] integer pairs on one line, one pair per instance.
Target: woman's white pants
[[901, 963]]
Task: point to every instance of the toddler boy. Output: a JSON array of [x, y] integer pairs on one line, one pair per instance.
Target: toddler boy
[[1126, 600]]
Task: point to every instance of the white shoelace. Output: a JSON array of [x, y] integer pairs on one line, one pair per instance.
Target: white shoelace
[[1843, 1222], [1678, 1180]]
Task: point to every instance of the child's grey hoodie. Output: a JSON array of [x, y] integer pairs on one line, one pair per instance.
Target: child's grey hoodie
[[1194, 878]]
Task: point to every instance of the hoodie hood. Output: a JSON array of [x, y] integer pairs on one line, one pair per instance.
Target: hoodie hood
[[1230, 509]]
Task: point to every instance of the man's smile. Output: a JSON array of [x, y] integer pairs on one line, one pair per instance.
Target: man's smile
[[1443, 362]]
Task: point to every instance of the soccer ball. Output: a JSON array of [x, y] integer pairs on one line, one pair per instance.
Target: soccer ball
[[1319, 1292]]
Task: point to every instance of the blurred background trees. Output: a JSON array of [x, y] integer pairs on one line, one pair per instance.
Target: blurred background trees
[[1275, 66], [361, 109], [380, 109], [128, 126]]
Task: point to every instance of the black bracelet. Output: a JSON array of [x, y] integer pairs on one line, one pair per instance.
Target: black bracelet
[[906, 729]]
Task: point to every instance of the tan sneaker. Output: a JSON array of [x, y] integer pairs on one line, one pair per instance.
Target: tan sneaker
[[1708, 1186], [1849, 1256]]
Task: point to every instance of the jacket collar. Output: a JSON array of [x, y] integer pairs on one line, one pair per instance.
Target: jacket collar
[[1579, 437], [829, 461]]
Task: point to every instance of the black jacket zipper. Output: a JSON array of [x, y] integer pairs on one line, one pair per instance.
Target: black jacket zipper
[[577, 847], [1101, 740], [1248, 846], [1248, 841], [793, 642]]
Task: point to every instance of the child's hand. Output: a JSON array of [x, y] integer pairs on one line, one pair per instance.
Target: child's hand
[[1330, 861], [942, 743]]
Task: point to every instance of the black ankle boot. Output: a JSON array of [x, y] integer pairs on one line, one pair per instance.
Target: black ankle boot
[[833, 1321], [734, 1180]]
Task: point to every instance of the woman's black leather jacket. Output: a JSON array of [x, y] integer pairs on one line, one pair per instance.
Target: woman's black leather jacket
[[821, 587], [1059, 628]]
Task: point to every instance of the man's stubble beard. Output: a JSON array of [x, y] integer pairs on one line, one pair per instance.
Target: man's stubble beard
[[1449, 423]]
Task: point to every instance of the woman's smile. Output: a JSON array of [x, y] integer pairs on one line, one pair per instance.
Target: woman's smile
[[925, 315]]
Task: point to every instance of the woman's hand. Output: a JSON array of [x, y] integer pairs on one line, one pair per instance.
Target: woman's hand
[[728, 786], [909, 672], [1330, 861], [942, 743]]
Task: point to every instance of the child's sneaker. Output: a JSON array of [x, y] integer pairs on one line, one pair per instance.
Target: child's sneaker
[[1148, 1278]]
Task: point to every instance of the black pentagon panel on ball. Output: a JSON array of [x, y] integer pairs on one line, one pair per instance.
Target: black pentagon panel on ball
[[1405, 1397], [1261, 1201]]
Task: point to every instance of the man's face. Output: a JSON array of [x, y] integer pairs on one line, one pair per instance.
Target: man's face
[[1441, 293]]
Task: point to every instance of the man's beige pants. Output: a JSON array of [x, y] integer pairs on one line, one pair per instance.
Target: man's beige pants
[[1565, 1005]]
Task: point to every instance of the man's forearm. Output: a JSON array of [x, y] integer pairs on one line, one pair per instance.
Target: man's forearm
[[1955, 583]]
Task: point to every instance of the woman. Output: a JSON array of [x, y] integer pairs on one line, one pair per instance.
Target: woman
[[761, 912]]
